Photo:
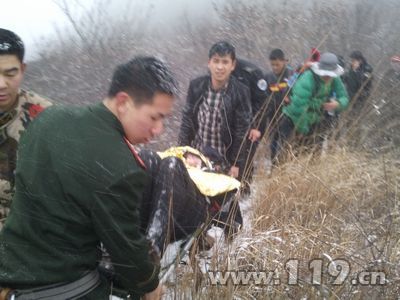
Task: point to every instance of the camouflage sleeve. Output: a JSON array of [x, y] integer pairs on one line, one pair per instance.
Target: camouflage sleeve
[[28, 107]]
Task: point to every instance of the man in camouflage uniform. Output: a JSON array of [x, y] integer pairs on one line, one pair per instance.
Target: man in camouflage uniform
[[17, 109]]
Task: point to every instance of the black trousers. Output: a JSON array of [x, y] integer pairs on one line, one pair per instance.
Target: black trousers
[[282, 135], [285, 135], [246, 168], [173, 207]]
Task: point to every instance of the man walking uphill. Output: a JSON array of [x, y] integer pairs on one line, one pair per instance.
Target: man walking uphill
[[278, 80], [358, 81], [218, 111], [79, 182], [317, 91]]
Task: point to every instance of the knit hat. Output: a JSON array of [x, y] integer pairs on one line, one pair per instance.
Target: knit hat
[[327, 66], [10, 43], [315, 55]]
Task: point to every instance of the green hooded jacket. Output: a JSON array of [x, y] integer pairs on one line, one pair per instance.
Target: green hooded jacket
[[308, 96]]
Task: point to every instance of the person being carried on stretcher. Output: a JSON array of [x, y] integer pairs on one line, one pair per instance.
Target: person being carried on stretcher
[[186, 190]]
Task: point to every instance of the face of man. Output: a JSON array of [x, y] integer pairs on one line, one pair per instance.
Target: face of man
[[277, 66], [11, 75], [355, 63], [326, 79], [143, 122], [221, 68]]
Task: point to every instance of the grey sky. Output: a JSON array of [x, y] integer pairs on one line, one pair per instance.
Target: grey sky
[[33, 20]]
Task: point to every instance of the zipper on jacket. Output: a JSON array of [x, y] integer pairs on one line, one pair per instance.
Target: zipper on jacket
[[227, 126]]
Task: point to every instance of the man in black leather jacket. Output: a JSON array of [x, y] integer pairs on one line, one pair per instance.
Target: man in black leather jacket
[[218, 111]]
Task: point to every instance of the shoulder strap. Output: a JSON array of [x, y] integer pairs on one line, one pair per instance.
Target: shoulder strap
[[317, 84]]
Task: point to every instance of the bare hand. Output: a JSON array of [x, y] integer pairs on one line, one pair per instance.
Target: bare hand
[[234, 172], [254, 135], [331, 106], [307, 65], [286, 100], [154, 295]]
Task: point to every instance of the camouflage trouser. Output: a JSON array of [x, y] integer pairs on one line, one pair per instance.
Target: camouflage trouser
[[5, 201]]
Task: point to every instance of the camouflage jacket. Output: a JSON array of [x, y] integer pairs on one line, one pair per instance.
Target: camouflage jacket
[[12, 124]]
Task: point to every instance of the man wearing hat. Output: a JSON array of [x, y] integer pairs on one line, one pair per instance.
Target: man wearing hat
[[318, 90], [17, 109]]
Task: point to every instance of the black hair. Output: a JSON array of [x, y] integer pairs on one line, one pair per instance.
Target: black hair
[[358, 56], [222, 48], [10, 43], [141, 78], [277, 54]]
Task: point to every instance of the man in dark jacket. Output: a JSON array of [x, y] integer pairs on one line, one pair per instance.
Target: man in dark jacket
[[80, 182], [253, 77], [358, 81], [218, 111], [278, 86]]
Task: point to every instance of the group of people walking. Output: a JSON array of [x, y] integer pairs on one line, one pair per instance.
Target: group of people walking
[[78, 181]]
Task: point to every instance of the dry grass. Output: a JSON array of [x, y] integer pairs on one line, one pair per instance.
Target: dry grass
[[340, 205]]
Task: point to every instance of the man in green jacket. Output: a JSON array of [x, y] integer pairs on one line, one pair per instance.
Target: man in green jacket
[[79, 183], [317, 92]]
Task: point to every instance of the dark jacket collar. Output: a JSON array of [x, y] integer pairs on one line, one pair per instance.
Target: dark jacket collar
[[109, 118]]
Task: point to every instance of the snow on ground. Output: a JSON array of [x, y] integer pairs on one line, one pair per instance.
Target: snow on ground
[[217, 234], [220, 247]]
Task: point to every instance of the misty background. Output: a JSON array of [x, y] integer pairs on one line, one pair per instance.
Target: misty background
[[75, 63]]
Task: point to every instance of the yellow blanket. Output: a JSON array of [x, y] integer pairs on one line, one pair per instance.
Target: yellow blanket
[[209, 184]]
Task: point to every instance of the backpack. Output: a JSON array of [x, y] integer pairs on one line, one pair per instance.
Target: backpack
[[253, 77]]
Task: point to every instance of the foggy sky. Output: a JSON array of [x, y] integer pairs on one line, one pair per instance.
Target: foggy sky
[[35, 20]]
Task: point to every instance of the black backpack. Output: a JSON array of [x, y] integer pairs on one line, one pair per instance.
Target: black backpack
[[253, 77]]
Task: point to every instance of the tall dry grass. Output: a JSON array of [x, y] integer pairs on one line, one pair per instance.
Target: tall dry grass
[[339, 205]]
